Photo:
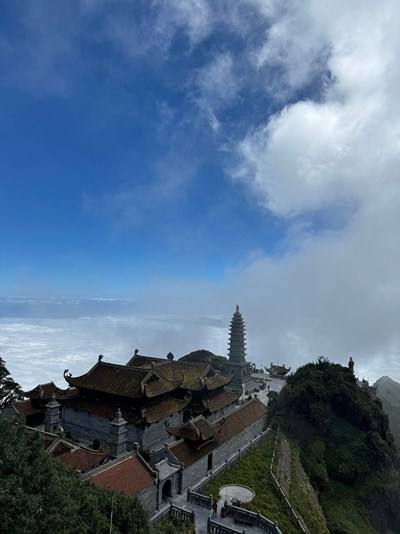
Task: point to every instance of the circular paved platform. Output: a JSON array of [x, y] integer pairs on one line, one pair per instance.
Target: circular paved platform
[[236, 491]]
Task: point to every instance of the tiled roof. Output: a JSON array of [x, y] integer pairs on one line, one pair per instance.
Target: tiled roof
[[27, 408], [129, 476], [102, 409], [151, 413], [68, 452], [198, 429], [79, 459], [165, 409], [121, 380], [221, 399], [44, 391], [226, 428], [196, 376], [144, 361]]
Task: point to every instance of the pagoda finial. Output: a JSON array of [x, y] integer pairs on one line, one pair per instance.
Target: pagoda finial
[[237, 308]]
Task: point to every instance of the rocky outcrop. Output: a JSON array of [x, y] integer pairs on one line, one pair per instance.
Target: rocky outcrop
[[388, 391]]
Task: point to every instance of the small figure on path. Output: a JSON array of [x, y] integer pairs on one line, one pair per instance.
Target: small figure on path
[[215, 508]]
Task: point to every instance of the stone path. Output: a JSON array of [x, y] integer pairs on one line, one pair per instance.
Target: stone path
[[202, 515]]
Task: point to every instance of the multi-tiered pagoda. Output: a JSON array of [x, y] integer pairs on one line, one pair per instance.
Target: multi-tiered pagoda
[[242, 379]]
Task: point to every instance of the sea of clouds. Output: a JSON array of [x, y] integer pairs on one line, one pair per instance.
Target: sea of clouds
[[39, 347]]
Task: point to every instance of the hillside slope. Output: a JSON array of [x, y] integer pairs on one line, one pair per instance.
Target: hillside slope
[[388, 391], [346, 448]]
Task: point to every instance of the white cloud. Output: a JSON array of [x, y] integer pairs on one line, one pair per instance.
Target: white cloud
[[38, 350], [312, 155]]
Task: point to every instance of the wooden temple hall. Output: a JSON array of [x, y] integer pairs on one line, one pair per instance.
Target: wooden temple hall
[[151, 395], [162, 423]]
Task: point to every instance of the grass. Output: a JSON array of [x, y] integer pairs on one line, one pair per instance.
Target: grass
[[303, 497], [253, 471]]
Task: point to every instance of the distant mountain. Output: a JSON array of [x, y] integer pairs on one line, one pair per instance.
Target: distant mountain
[[388, 391], [204, 356]]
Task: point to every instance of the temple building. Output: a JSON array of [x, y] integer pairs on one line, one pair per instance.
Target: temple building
[[150, 393]]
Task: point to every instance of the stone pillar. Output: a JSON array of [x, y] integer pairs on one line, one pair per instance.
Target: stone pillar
[[118, 434], [52, 415]]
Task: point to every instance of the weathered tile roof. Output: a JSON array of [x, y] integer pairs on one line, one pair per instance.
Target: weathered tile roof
[[150, 413], [144, 361], [123, 381], [164, 409], [194, 376], [26, 408], [220, 400], [129, 476], [78, 458], [196, 430], [44, 391], [226, 428], [68, 452]]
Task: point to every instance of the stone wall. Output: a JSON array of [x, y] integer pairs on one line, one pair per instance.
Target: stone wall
[[87, 427], [194, 473], [155, 435], [148, 497]]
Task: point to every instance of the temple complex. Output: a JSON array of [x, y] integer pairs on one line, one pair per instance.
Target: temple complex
[[162, 424]]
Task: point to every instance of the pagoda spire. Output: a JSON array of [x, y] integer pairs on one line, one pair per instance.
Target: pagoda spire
[[237, 338]]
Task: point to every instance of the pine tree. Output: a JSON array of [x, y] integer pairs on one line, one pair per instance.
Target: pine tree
[[10, 391]]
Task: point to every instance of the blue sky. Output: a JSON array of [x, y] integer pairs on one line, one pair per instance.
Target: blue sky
[[111, 169], [184, 156]]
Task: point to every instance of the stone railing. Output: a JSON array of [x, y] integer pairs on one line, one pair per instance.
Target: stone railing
[[204, 501], [173, 511], [282, 494], [246, 517], [216, 528], [230, 461]]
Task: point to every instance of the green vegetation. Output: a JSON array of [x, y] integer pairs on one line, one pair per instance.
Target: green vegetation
[[302, 496], [10, 391], [173, 525], [203, 356], [39, 495], [253, 471], [346, 447]]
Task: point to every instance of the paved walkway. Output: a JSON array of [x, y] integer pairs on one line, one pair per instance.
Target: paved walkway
[[202, 515]]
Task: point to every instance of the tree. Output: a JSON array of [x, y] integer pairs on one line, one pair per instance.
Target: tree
[[10, 391], [40, 496]]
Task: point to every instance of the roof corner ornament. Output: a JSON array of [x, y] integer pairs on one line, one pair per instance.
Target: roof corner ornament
[[136, 352], [100, 357], [65, 373]]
